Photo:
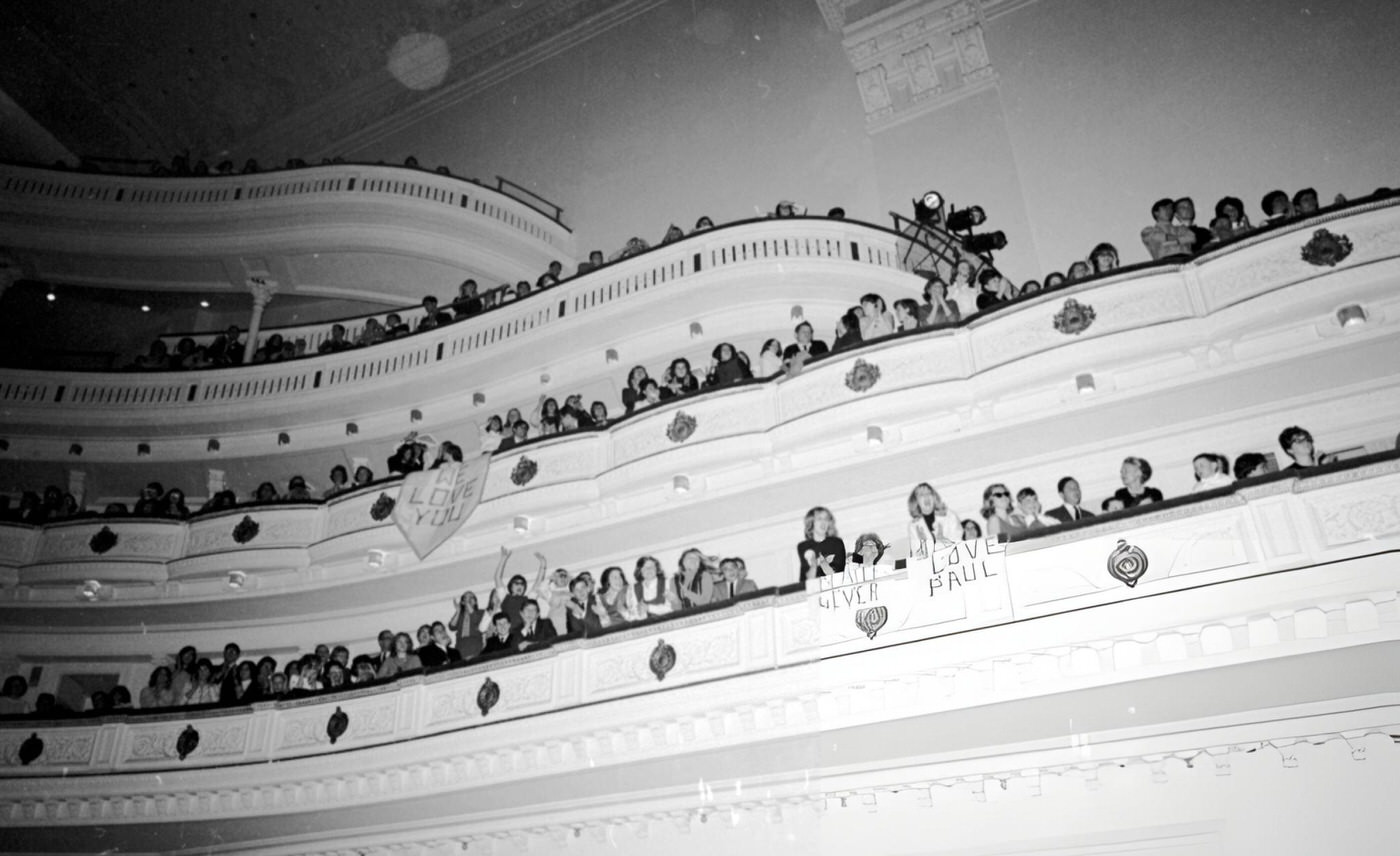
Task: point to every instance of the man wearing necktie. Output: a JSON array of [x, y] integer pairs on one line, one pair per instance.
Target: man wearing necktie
[[734, 582], [533, 632], [1071, 496]]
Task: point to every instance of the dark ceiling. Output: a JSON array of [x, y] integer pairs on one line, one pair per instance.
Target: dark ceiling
[[148, 79]]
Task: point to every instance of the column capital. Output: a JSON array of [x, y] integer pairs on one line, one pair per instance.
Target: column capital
[[262, 289]]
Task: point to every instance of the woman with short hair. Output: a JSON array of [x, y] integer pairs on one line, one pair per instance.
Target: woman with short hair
[[1135, 472]]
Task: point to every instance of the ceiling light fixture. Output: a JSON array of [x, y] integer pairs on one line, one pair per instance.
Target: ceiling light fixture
[[1351, 315], [681, 484], [522, 524], [236, 579], [1084, 383], [874, 436]]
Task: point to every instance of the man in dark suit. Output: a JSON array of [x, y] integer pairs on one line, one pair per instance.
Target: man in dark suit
[[804, 349], [734, 583], [226, 675], [533, 630], [386, 649], [498, 640], [1071, 496]]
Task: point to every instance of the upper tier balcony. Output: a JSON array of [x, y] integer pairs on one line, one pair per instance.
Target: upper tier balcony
[[373, 233]]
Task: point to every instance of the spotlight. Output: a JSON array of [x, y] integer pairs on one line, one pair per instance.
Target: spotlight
[[51, 297], [681, 484], [986, 242], [1351, 315], [236, 579], [203, 304], [929, 209], [145, 307], [966, 219]]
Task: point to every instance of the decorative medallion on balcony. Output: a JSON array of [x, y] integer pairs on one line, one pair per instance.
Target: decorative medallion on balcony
[[487, 696], [1325, 249], [524, 470], [382, 508], [246, 530], [681, 427], [102, 540], [336, 725], [30, 749], [1127, 563], [187, 742], [663, 660], [871, 619], [1074, 318], [862, 376]]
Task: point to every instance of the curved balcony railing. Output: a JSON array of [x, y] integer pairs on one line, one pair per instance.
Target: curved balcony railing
[[846, 248], [1264, 542]]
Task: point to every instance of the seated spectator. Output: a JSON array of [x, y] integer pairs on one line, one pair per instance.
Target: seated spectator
[[733, 581], [996, 510], [371, 334], [272, 351], [786, 208], [429, 321], [121, 698], [1277, 208], [340, 482], [448, 453], [1069, 510], [337, 342], [573, 405], [1104, 258], [534, 630], [100, 702], [1212, 471], [703, 224], [847, 331], [599, 411], [394, 327], [118, 509], [612, 597], [265, 493], [402, 660], [491, 434], [183, 672], [183, 358], [220, 501], [297, 491], [963, 290], [1077, 271], [552, 276], [1164, 237], [971, 530], [520, 433], [1298, 443], [1135, 473], [804, 349], [408, 458], [937, 309], [632, 393], [1028, 288], [362, 670], [694, 580], [498, 640], [836, 213], [12, 695], [202, 689], [1185, 210], [586, 616], [149, 504], [468, 303], [633, 247], [158, 692], [1236, 221], [651, 394], [546, 416], [1111, 505], [363, 476], [653, 593], [1251, 465], [726, 367], [906, 315], [770, 358], [156, 359], [173, 505], [673, 233], [1305, 203], [1028, 511], [595, 261], [869, 549], [996, 289], [821, 552], [1054, 280], [876, 320], [522, 290], [430, 652], [334, 678], [930, 521]]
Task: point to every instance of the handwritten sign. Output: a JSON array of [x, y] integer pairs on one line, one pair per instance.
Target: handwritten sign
[[959, 581], [433, 504], [863, 601]]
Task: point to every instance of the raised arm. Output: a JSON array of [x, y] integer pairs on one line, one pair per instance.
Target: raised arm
[[501, 567]]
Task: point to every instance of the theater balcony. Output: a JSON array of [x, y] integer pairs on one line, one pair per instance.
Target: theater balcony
[[1169, 677], [360, 232]]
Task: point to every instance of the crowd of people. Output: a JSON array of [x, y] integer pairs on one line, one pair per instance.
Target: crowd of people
[[518, 616]]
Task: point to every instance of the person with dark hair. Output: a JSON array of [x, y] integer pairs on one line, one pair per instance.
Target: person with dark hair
[[1078, 270], [726, 367], [1212, 471], [337, 342], [1135, 473], [1069, 510], [227, 673], [702, 224], [868, 549], [733, 581], [906, 314], [1277, 207], [1236, 220], [585, 614], [202, 688], [847, 331], [340, 478], [963, 291], [613, 598], [651, 394], [821, 552], [836, 213], [184, 672], [673, 233], [694, 580], [1028, 513], [937, 308], [804, 349], [149, 504], [12, 695], [1250, 465], [534, 630], [770, 358], [678, 380], [1185, 210], [652, 592], [429, 321], [875, 320], [1165, 238], [1104, 258], [297, 491], [468, 302], [1298, 443], [402, 659], [996, 289], [1305, 203], [632, 393], [363, 476], [971, 530], [514, 593]]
